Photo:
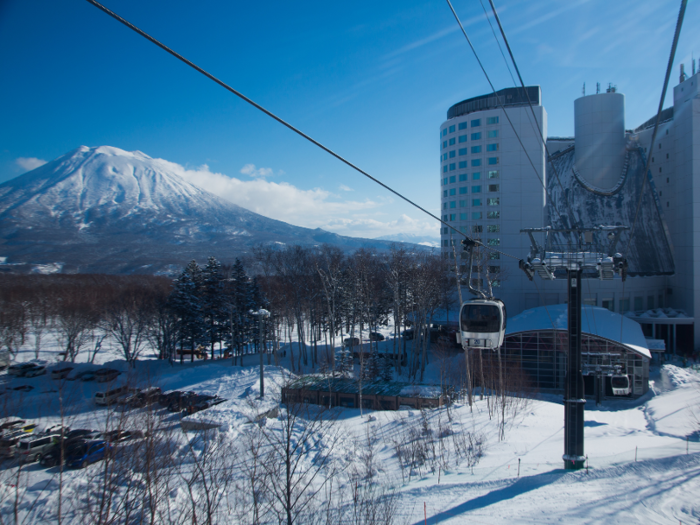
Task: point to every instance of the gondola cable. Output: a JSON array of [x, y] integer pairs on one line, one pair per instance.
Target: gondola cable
[[285, 123]]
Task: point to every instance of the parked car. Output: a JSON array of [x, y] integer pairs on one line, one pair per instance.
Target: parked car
[[351, 341], [17, 425], [61, 373], [19, 369], [88, 376], [145, 397], [106, 375], [8, 444], [376, 336], [88, 452], [31, 449], [35, 371], [203, 402], [110, 396], [80, 375], [52, 457], [174, 397], [117, 436], [180, 403], [57, 429], [23, 388]]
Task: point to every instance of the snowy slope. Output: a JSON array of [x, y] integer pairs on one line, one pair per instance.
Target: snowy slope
[[108, 210], [639, 469]]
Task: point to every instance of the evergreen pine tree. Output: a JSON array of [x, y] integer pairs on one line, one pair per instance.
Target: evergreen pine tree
[[373, 365], [213, 302], [185, 302], [387, 368]]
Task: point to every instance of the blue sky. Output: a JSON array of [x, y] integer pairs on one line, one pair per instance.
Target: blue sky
[[371, 80]]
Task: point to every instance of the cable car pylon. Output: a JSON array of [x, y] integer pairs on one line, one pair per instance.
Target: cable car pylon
[[582, 258]]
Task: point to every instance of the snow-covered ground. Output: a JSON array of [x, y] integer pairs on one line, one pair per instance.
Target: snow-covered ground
[[644, 455]]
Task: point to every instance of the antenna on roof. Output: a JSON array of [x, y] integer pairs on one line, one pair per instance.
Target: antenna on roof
[[683, 76], [584, 85], [597, 88]]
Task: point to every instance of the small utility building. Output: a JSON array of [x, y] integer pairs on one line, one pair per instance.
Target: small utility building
[[536, 342]]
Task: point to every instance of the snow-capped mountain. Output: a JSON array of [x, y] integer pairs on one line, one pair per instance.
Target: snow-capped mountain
[[108, 210], [424, 240]]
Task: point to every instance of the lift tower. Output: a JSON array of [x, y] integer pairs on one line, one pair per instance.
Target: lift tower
[[580, 253]]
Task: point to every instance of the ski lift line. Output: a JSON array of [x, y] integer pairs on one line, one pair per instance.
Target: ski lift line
[[269, 113], [500, 48], [669, 66], [529, 102], [488, 79]]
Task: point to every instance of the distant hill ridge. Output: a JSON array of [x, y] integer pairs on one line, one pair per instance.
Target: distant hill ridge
[[107, 210]]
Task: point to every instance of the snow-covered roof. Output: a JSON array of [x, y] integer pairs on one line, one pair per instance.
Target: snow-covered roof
[[596, 321], [662, 316]]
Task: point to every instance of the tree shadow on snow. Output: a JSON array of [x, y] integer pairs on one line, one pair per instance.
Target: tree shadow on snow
[[518, 487]]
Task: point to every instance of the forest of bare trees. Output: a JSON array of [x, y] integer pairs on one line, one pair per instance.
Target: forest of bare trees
[[316, 296]]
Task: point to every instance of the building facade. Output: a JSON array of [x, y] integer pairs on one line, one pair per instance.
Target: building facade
[[491, 186], [488, 188]]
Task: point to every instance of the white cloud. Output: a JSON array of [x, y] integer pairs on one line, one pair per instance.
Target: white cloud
[[29, 163], [314, 208], [343, 187], [250, 169]]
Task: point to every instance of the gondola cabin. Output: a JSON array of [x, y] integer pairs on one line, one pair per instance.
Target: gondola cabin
[[620, 385], [482, 323]]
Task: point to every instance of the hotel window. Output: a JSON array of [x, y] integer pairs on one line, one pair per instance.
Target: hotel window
[[463, 190], [493, 160], [476, 136], [493, 215], [452, 141], [453, 191], [453, 204], [493, 187], [444, 218], [476, 189], [462, 176], [492, 147], [462, 216], [495, 201], [493, 255], [476, 175], [445, 243], [444, 181], [476, 149], [452, 166], [444, 144], [462, 151], [444, 230], [494, 242], [650, 302], [452, 129], [444, 193], [494, 269], [638, 303], [452, 179], [494, 228], [462, 138], [496, 283], [624, 306], [476, 162], [462, 125], [476, 122], [492, 120], [444, 132], [493, 134], [463, 204], [477, 283], [444, 156], [444, 206], [444, 168], [452, 216], [493, 174], [476, 215], [476, 202], [453, 153], [477, 228]]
